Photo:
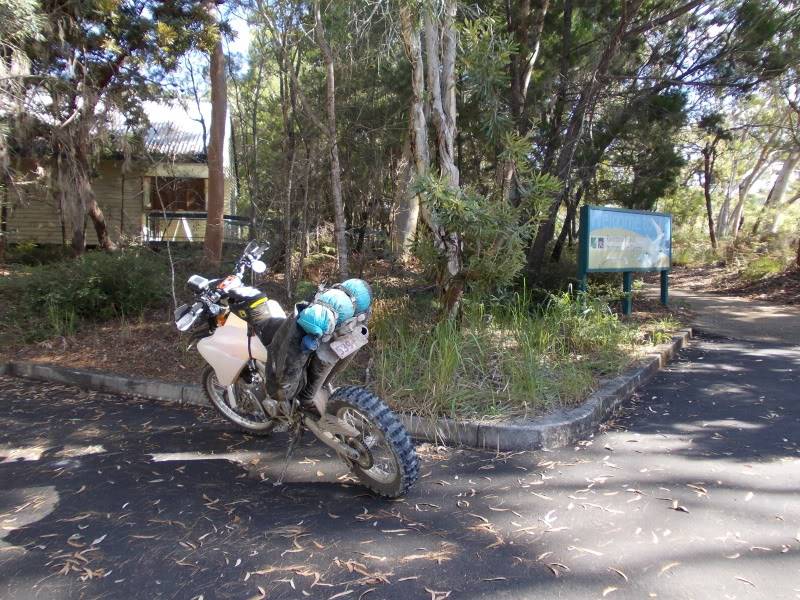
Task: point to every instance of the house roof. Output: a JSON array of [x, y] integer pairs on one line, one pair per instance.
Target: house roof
[[176, 130]]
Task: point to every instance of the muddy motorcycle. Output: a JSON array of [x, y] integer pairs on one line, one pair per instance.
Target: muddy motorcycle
[[267, 369]]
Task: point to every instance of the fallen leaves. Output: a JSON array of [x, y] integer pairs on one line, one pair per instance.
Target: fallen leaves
[[618, 572], [557, 568], [445, 552], [677, 507]]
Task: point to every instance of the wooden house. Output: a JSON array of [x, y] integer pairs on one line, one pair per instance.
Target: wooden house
[[158, 195]]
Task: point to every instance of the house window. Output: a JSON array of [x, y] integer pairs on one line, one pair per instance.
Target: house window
[[178, 193]]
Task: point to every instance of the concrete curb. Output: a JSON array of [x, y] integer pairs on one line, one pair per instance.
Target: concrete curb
[[551, 431], [557, 429], [105, 382]]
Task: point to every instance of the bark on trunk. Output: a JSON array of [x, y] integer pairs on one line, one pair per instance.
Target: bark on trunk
[[566, 229], [287, 225], [441, 92], [776, 194], [407, 203], [708, 170], [725, 210], [762, 162], [340, 226], [216, 177]]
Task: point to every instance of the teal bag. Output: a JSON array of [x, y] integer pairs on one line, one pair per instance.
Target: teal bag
[[317, 320], [339, 302], [360, 292]]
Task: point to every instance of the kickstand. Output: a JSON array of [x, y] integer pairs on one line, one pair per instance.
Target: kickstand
[[293, 441]]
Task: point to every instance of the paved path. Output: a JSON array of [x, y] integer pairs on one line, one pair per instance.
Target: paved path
[[740, 318], [691, 493]]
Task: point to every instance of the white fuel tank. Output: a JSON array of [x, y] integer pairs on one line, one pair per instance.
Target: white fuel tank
[[226, 349]]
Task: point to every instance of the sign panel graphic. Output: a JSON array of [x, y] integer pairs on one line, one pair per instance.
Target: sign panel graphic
[[615, 239]]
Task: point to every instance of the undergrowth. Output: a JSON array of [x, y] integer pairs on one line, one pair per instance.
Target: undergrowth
[[53, 299], [512, 359]]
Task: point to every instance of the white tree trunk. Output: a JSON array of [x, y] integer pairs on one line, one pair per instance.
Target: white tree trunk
[[775, 199], [752, 176], [441, 93], [407, 203], [724, 211]]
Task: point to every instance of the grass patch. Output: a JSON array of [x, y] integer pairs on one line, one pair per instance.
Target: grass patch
[[505, 360], [761, 267]]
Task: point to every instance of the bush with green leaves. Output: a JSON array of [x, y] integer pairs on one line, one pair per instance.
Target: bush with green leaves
[[52, 299], [493, 231]]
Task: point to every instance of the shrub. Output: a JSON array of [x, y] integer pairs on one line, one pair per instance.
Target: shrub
[[494, 233], [52, 299], [761, 267]]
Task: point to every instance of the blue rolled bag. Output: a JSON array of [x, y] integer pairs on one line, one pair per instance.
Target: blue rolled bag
[[345, 303], [336, 306]]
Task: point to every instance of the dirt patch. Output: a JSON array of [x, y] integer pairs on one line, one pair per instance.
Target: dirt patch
[[151, 348], [782, 288]]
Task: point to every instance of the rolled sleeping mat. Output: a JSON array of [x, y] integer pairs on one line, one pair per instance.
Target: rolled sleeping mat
[[360, 293], [317, 320]]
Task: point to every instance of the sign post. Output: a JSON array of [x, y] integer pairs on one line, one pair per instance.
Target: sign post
[[617, 240]]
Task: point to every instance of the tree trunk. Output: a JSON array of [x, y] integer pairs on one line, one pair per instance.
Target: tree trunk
[[287, 225], [574, 132], [708, 169], [407, 203], [304, 230], [441, 92], [216, 177], [724, 212], [419, 125], [566, 229], [340, 227], [442, 95], [554, 128], [776, 194]]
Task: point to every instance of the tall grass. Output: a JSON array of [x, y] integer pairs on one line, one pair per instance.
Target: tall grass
[[505, 359]]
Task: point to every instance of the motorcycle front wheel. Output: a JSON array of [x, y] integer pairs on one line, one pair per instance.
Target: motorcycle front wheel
[[240, 403], [387, 463]]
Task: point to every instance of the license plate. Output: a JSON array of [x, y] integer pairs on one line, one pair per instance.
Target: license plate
[[346, 345]]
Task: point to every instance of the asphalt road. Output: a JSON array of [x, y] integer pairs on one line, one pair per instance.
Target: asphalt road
[[691, 493]]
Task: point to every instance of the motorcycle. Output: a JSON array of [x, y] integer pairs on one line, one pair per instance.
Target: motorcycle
[[264, 371]]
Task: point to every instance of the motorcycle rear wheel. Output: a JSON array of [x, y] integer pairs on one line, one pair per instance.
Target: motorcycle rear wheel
[[244, 410], [388, 463]]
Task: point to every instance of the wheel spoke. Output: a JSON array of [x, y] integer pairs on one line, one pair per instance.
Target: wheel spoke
[[384, 464]]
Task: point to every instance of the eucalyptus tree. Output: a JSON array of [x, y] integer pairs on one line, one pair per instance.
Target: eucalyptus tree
[[94, 62], [215, 204]]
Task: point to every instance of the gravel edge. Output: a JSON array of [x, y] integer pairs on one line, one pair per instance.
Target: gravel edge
[[557, 429]]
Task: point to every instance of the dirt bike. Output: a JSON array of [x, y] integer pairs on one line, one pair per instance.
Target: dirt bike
[[265, 371]]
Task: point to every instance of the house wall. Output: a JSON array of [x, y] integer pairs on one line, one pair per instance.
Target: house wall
[[124, 200]]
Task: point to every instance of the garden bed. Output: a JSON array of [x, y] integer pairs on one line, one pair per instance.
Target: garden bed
[[510, 358]]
